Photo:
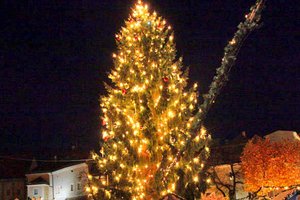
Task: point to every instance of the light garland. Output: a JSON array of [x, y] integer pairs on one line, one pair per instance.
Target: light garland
[[219, 81]]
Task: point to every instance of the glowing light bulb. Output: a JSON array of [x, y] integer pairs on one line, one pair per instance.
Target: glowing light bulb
[[88, 189], [196, 160], [95, 189], [196, 179], [207, 149], [173, 186], [203, 130], [188, 125], [171, 114]]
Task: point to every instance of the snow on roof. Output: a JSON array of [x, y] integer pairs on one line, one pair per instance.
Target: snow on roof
[[283, 135]]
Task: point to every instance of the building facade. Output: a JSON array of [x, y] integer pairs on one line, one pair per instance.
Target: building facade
[[12, 188], [60, 184], [12, 179]]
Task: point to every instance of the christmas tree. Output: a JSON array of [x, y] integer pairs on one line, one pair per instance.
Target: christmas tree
[[147, 117]]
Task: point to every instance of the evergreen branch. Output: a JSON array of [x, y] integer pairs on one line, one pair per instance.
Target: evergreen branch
[[230, 54], [231, 51]]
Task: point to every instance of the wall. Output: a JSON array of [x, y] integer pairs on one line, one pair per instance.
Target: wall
[[12, 188], [64, 178], [43, 191]]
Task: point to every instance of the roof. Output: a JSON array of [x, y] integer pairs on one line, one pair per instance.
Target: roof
[[283, 135], [38, 181], [284, 194], [70, 158], [47, 167]]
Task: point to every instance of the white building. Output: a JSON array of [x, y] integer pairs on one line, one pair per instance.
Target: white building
[[280, 135], [62, 183]]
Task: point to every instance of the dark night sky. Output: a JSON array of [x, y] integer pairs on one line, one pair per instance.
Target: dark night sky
[[55, 55]]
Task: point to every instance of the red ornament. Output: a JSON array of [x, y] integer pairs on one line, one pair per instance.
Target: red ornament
[[159, 26], [118, 37], [105, 138], [166, 79], [103, 122], [124, 91], [136, 38]]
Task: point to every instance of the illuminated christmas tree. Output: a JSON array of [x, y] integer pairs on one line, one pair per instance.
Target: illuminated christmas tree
[[153, 142], [147, 116]]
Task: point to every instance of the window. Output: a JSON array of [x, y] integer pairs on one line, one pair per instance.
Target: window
[[57, 189], [35, 191], [18, 192], [72, 188], [8, 192], [78, 186]]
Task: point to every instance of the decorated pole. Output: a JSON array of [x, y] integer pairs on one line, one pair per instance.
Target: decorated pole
[[252, 22]]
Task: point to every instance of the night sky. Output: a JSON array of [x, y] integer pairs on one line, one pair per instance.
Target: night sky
[[55, 55]]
